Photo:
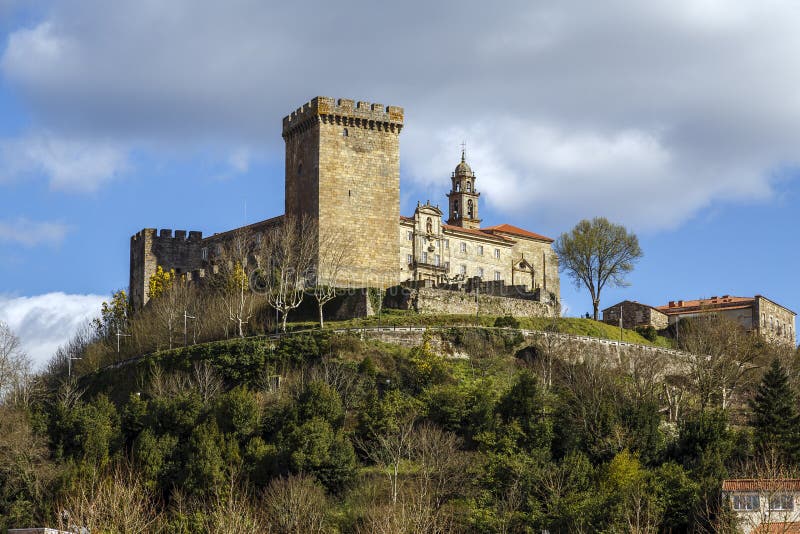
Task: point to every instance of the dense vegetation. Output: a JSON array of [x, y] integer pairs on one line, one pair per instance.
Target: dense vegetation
[[318, 432]]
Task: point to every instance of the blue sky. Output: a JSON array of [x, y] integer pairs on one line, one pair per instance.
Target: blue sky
[[678, 119]]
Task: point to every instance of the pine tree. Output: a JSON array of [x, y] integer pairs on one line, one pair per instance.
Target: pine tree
[[775, 415]]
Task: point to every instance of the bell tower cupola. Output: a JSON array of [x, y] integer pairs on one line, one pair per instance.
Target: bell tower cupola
[[463, 197]]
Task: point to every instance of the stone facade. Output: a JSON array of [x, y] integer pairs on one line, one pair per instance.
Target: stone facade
[[770, 320], [442, 253], [429, 300], [342, 169], [635, 314], [774, 322]]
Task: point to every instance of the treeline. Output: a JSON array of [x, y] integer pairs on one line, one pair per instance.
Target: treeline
[[328, 433]]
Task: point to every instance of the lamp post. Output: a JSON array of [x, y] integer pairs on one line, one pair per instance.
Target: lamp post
[[186, 318]]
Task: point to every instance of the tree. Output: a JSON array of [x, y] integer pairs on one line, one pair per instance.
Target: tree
[[286, 259], [14, 364], [718, 354], [775, 417], [596, 253], [331, 255], [236, 263]]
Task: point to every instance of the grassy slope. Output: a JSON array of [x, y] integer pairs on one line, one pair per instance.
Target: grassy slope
[[581, 327]]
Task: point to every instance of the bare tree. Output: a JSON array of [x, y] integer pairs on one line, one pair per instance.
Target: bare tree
[[237, 261], [596, 253], [331, 257], [14, 363], [719, 355], [390, 449], [295, 505], [287, 258], [118, 502]]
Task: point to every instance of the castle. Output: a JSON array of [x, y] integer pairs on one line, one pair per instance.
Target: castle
[[343, 171]]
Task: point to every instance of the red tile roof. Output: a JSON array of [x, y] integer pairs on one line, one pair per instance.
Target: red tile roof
[[777, 528], [761, 484], [511, 229], [476, 232], [726, 302], [407, 219]]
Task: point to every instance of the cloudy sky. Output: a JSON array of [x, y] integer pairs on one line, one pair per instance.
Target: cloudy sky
[[679, 119]]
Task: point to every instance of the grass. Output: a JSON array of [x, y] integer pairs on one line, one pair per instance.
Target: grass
[[565, 325]]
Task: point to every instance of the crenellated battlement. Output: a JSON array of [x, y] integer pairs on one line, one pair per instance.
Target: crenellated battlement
[[167, 234], [344, 111]]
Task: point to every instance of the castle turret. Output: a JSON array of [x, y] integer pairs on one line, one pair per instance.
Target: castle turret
[[343, 171], [463, 196]]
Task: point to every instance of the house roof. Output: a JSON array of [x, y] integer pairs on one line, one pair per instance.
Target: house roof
[[254, 227], [777, 528], [761, 484], [514, 230], [476, 232], [725, 302], [632, 302]]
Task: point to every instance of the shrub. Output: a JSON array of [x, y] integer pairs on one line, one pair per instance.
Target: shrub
[[507, 321]]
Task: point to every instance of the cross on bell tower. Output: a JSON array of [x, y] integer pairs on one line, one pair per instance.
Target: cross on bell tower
[[463, 196]]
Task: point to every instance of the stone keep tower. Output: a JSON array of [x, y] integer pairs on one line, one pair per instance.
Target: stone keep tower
[[463, 197], [343, 169]]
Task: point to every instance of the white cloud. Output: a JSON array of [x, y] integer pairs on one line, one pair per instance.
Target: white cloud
[[70, 164], [31, 233], [647, 112], [45, 322]]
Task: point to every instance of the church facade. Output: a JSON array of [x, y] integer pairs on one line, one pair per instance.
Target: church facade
[[343, 171]]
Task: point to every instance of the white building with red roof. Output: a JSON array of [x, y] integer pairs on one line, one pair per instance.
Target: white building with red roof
[[458, 248]]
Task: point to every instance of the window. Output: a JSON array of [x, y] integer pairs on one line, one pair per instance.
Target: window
[[409, 259], [463, 247], [480, 272], [469, 209], [458, 187], [447, 266], [463, 269], [345, 133], [204, 253], [437, 260], [410, 235], [497, 253], [447, 244], [469, 187], [781, 501], [745, 501], [480, 250], [497, 276], [424, 257]]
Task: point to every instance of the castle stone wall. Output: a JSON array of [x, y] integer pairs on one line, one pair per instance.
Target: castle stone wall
[[343, 163], [150, 249], [442, 301]]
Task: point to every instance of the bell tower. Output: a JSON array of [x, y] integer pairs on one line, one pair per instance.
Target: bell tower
[[463, 196]]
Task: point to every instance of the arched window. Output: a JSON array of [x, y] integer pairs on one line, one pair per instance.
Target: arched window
[[345, 133], [455, 209], [469, 187], [469, 208], [458, 187], [300, 168]]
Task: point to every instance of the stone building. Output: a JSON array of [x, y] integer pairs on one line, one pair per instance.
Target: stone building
[[343, 170], [758, 314], [635, 314]]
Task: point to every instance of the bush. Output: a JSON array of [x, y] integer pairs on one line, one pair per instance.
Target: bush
[[647, 332], [506, 321]]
